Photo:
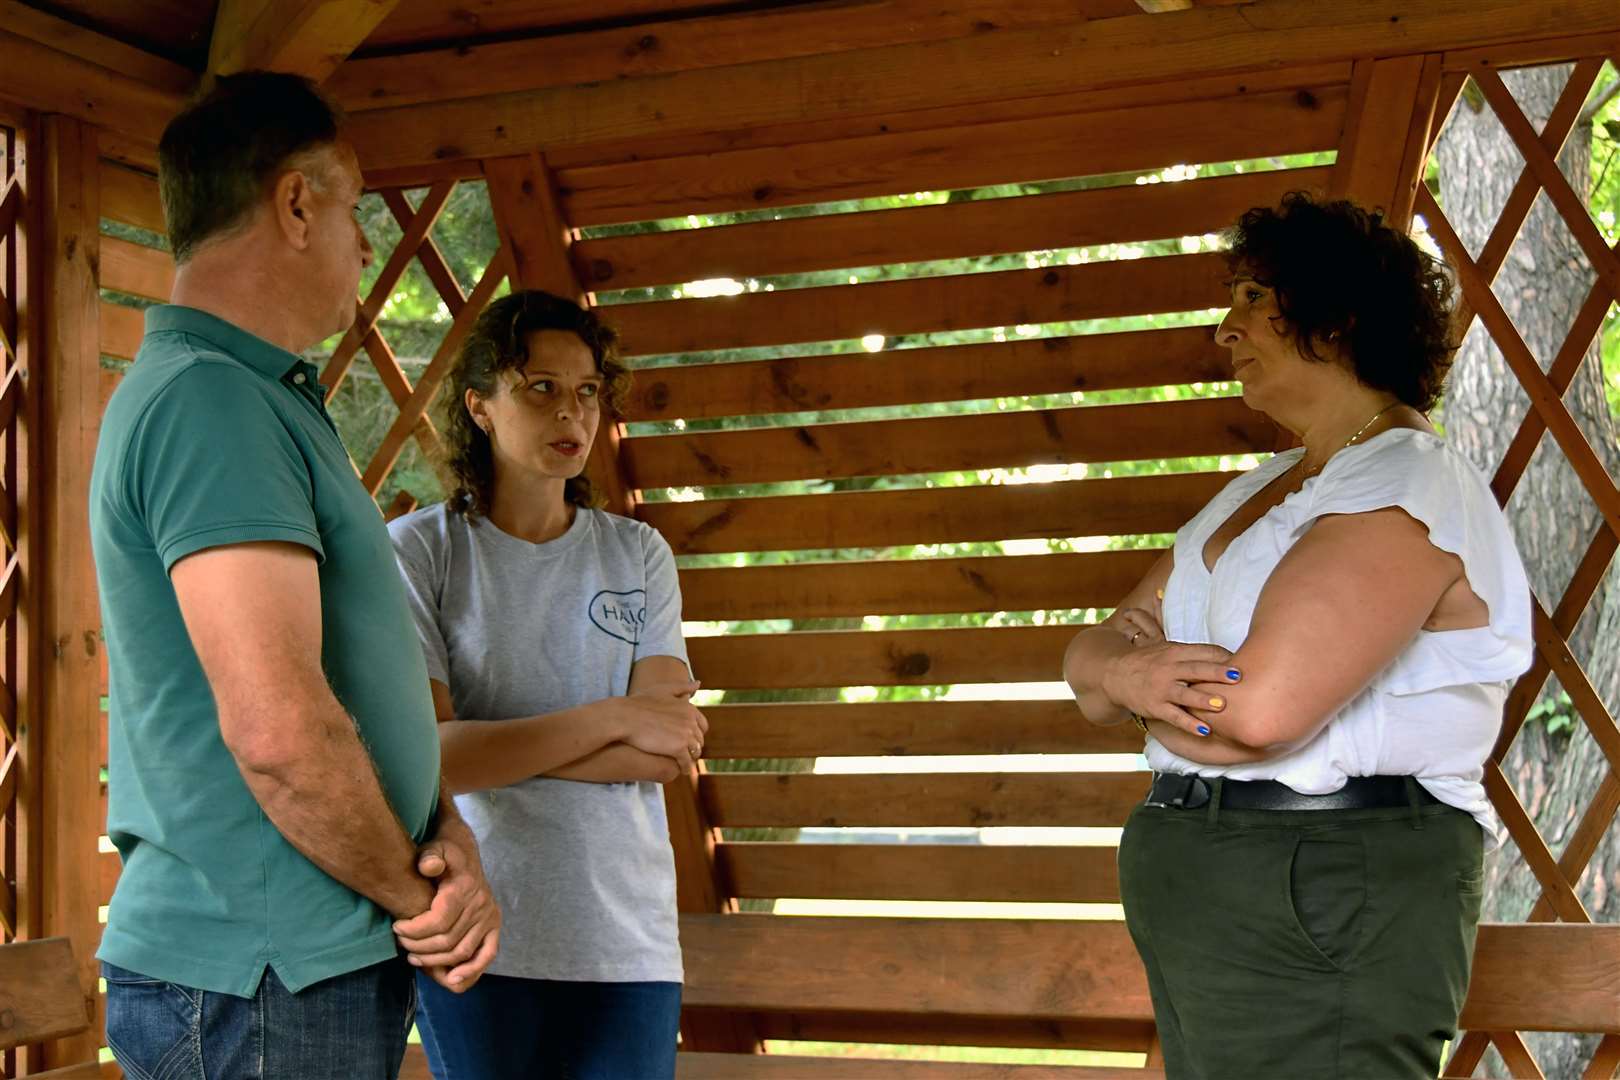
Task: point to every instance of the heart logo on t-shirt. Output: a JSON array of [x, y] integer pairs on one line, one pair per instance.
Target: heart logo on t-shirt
[[621, 614]]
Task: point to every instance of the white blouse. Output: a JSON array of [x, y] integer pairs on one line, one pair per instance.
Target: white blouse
[[1435, 712]]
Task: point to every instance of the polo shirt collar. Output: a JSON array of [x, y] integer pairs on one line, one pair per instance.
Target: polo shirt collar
[[254, 351]]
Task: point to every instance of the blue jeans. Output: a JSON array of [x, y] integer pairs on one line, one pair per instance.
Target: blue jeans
[[351, 1027], [539, 1029]]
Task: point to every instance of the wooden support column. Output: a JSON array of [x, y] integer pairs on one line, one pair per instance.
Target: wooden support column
[[1386, 138], [305, 37], [533, 229], [67, 380]]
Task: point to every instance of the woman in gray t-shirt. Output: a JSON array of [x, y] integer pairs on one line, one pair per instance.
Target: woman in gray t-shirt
[[553, 640]]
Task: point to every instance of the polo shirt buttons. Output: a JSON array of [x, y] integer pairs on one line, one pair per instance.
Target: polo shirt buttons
[[300, 378]]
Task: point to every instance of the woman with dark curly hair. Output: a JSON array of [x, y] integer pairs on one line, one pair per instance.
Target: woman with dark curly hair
[[1319, 666], [552, 632]]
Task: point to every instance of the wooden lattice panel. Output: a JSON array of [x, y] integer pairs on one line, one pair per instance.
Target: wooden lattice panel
[[1545, 379]]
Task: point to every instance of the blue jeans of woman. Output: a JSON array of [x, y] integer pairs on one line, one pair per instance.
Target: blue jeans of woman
[[350, 1027], [540, 1029]]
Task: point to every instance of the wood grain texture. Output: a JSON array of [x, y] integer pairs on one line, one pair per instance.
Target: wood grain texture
[[39, 992]]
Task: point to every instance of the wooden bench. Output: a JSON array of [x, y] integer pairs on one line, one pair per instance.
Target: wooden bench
[[40, 999]]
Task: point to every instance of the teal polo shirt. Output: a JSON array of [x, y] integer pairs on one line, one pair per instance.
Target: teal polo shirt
[[217, 437]]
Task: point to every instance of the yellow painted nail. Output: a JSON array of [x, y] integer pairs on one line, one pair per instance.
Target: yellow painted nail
[[1161, 594], [1217, 703]]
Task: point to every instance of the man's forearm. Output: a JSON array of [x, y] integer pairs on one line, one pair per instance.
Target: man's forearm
[[329, 804]]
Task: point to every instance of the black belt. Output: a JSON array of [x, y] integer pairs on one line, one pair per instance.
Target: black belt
[[1186, 792]]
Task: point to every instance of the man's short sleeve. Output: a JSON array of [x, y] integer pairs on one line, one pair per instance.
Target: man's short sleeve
[[214, 463], [661, 633]]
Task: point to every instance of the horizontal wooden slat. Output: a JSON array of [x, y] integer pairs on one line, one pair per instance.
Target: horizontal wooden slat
[[1051, 874], [121, 330], [880, 657], [789, 730], [39, 992], [914, 586], [915, 305], [1102, 507], [786, 800], [1129, 212], [132, 268], [976, 967], [1545, 977], [1293, 121], [1130, 1036], [1054, 365], [131, 197], [640, 47], [1013, 439], [719, 1066], [947, 117]]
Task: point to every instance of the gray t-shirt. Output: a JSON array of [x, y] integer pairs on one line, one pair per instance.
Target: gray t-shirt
[[583, 872]]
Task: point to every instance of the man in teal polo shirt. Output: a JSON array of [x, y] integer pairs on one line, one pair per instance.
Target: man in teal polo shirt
[[274, 761]]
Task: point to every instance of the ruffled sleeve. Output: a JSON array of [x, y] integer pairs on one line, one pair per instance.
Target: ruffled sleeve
[[1437, 486]]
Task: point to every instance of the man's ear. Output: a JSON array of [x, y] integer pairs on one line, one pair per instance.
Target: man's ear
[[292, 203]]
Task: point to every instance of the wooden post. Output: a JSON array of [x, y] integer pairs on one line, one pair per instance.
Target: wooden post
[[67, 380], [533, 229], [1386, 138]]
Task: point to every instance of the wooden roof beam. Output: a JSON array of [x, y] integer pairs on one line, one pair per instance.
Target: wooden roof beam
[[305, 37], [1092, 55]]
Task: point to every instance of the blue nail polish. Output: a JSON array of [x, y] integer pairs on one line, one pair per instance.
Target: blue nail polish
[[1202, 730], [1234, 674]]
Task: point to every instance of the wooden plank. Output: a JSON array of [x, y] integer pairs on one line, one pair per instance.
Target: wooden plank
[[1022, 63], [1009, 967], [128, 267], [880, 657], [1103, 507], [68, 379], [1060, 293], [645, 48], [89, 1070], [700, 1066], [968, 155], [1022, 366], [902, 728], [1133, 212], [39, 992], [1383, 98], [914, 586], [970, 872], [1545, 977], [110, 866], [121, 329], [132, 197], [412, 25], [1011, 439], [42, 78], [1531, 50], [103, 51], [788, 800], [1130, 1036], [306, 37], [949, 117]]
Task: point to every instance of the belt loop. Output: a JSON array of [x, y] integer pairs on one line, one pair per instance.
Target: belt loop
[[1212, 816], [1414, 801]]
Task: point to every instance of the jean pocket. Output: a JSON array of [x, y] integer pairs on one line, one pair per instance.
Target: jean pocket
[[1327, 892], [153, 1027]]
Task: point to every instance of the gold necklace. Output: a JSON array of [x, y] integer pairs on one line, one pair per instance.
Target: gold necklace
[[1362, 430]]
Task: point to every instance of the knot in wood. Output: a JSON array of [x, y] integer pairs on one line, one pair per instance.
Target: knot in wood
[[1051, 277], [658, 396], [1307, 100], [8, 1019], [913, 665], [601, 269]]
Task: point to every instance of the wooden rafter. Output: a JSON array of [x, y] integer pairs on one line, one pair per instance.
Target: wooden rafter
[[1021, 63], [305, 37]]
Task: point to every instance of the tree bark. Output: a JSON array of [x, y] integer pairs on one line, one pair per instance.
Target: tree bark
[[1542, 284]]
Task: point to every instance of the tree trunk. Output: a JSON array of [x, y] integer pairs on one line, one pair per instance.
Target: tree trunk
[[1542, 284]]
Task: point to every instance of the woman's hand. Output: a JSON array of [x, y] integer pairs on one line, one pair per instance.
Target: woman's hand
[[1158, 679], [661, 719]]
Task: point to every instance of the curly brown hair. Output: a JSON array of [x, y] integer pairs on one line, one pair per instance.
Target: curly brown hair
[[499, 342], [1341, 274]]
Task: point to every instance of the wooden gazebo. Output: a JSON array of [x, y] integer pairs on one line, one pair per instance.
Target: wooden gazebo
[[583, 115]]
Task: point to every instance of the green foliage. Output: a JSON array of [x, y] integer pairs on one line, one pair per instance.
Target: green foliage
[[1556, 712]]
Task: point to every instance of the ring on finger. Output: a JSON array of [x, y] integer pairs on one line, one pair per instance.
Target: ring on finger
[[1135, 636]]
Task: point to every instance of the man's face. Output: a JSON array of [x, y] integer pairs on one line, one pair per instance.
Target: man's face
[[338, 247]]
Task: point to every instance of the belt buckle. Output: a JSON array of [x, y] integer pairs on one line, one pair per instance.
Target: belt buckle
[[1193, 793]]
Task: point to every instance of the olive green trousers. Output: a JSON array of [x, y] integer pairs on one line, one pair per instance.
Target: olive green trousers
[[1303, 944]]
